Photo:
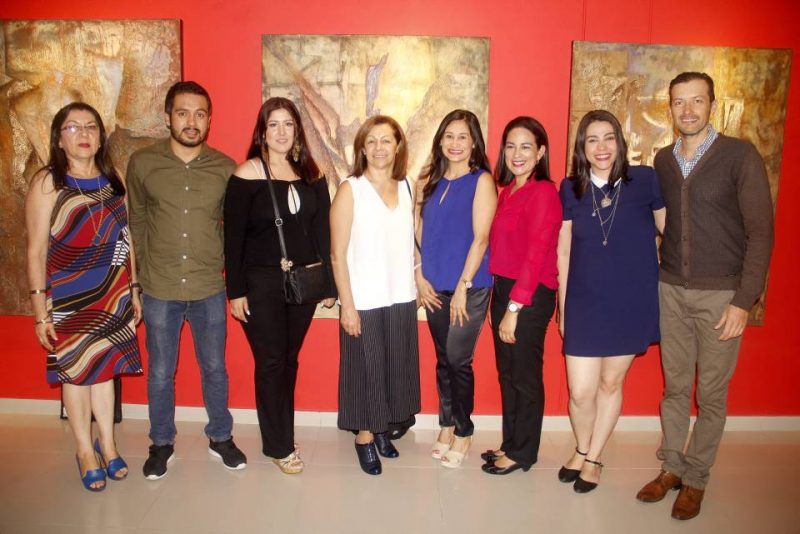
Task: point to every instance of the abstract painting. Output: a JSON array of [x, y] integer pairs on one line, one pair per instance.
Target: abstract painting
[[123, 68], [337, 81], [632, 81]]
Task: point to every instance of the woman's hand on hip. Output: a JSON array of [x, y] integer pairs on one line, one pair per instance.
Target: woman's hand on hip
[[240, 309], [328, 303]]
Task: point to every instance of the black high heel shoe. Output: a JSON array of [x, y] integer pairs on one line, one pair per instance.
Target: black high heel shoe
[[582, 486], [368, 458], [492, 469], [385, 446], [567, 475]]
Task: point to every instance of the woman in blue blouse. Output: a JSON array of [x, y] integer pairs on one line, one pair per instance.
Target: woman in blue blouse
[[608, 283], [453, 280]]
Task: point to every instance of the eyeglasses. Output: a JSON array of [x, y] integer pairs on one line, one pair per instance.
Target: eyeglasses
[[74, 128]]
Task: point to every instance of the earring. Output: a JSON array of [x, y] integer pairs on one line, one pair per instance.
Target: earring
[[296, 152]]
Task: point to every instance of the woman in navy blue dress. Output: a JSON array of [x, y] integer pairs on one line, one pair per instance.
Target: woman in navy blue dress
[[608, 283]]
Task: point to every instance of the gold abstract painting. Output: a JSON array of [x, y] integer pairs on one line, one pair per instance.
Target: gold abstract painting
[[338, 81], [632, 82], [122, 68]]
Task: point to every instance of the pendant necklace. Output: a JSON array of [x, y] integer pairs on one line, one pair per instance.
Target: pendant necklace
[[604, 203], [95, 227]]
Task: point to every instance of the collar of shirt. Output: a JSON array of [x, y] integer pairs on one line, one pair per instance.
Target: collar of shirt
[[166, 148], [686, 165], [600, 182]]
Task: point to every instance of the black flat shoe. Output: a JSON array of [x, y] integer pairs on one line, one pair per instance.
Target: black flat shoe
[[567, 475], [492, 469], [583, 486], [490, 456], [368, 458], [385, 446]]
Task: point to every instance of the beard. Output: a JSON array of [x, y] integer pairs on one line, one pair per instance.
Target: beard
[[185, 141]]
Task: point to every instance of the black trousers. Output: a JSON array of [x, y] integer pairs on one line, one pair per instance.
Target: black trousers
[[519, 368], [455, 348], [275, 331]]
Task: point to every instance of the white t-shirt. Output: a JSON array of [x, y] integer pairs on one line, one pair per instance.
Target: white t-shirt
[[380, 255]]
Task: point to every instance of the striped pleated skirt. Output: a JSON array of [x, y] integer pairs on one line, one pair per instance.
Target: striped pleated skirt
[[379, 370]]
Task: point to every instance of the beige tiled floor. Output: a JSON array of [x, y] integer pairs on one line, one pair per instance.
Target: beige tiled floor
[[754, 488]]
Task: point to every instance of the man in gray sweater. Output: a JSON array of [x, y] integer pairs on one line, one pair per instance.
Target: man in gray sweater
[[714, 259]]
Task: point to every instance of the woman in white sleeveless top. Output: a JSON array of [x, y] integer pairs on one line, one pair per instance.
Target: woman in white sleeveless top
[[372, 253]]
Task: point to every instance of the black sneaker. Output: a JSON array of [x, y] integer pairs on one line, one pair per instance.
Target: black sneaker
[[156, 465], [230, 454]]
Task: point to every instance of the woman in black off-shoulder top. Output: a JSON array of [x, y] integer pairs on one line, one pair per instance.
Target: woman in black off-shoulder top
[[275, 329]]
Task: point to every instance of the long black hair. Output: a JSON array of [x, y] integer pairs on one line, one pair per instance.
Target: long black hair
[[581, 168], [541, 171], [305, 167], [438, 165], [58, 164]]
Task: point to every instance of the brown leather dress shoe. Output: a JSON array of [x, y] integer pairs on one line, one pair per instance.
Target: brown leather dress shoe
[[656, 489], [687, 505]]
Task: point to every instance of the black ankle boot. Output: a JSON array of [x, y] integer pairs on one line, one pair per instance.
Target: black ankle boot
[[368, 458]]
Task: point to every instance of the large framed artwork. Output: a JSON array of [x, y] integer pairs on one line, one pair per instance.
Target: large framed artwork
[[123, 68], [338, 81], [632, 81]]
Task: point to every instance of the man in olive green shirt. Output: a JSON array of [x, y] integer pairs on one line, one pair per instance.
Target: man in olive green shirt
[[176, 190]]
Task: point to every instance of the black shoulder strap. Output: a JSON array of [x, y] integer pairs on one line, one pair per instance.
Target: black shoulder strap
[[278, 219]]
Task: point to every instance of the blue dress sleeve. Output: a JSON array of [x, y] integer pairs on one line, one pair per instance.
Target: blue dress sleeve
[[567, 197], [656, 199]]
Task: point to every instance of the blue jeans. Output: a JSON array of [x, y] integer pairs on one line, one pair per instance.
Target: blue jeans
[[207, 319]]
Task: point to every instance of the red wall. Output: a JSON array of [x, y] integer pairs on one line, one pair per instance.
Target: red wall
[[530, 74]]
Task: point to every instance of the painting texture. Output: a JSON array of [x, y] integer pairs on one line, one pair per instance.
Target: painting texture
[[122, 68], [632, 82], [337, 81]]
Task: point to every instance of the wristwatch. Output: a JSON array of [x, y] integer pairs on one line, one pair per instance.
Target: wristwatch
[[513, 307], [467, 283]]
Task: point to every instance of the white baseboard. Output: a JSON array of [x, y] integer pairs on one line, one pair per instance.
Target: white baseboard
[[424, 421]]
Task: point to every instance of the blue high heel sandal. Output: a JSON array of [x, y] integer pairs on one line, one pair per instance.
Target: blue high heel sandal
[[112, 466], [92, 476]]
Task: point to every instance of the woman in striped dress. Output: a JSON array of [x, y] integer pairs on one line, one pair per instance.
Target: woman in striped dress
[[82, 284], [372, 253]]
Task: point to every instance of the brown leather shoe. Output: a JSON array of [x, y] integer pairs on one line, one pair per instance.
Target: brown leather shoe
[[687, 505], [656, 489]]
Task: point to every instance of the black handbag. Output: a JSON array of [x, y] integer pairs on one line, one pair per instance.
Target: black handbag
[[302, 284]]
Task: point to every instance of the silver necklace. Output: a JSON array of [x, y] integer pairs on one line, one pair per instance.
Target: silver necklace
[[96, 227], [610, 218]]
